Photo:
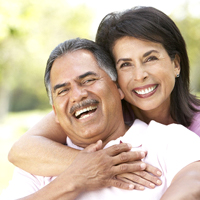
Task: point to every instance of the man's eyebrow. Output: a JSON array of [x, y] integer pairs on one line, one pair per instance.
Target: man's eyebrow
[[79, 77], [87, 74], [59, 86]]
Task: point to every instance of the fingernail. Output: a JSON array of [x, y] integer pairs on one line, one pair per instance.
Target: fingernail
[[159, 182], [159, 173], [143, 165], [129, 145], [131, 186], [142, 154], [141, 187], [152, 185]]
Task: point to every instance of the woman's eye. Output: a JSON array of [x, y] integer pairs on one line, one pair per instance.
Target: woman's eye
[[124, 65], [151, 58]]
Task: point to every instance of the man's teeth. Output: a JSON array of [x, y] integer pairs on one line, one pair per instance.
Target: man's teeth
[[145, 91], [79, 112], [84, 116]]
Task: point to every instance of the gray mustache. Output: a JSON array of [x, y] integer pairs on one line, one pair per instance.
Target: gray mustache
[[87, 102]]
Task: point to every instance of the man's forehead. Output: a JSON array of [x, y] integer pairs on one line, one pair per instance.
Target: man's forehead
[[83, 55], [76, 65], [79, 58]]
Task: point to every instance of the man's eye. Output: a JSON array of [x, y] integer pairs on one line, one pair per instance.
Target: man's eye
[[89, 81], [62, 91]]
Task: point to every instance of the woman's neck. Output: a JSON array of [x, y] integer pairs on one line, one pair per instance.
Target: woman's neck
[[159, 115]]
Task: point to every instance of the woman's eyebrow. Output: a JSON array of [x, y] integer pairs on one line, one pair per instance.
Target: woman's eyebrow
[[149, 52], [123, 59]]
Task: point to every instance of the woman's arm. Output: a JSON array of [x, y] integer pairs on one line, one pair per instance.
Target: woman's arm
[[41, 151], [43, 144], [84, 176], [185, 185]]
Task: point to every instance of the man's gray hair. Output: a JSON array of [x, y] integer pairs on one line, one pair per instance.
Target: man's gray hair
[[102, 57]]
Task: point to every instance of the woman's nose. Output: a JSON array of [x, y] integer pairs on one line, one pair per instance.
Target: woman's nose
[[139, 74]]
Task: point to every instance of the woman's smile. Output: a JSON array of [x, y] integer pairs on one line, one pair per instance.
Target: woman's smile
[[145, 91]]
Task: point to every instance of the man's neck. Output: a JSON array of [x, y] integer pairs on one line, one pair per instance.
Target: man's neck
[[118, 132]]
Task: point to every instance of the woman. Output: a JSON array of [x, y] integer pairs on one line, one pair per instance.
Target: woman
[[151, 26], [153, 71]]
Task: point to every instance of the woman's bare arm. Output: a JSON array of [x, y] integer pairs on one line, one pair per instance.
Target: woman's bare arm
[[185, 184], [41, 150], [83, 176]]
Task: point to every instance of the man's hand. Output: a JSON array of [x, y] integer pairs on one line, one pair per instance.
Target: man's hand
[[96, 168]]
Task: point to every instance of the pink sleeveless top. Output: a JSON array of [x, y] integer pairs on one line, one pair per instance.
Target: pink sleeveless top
[[129, 118]]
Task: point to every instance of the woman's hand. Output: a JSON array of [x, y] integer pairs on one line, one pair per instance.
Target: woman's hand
[[148, 178]]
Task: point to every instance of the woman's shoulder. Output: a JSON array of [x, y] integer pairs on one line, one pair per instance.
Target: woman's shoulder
[[195, 125]]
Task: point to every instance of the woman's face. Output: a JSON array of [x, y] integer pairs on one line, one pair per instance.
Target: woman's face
[[146, 74]]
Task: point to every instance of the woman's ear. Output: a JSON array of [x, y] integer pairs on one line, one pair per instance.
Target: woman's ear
[[177, 67], [56, 118]]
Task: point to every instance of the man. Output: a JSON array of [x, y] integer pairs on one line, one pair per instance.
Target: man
[[87, 104]]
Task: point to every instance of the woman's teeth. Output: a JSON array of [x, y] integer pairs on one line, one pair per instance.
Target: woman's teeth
[[145, 91]]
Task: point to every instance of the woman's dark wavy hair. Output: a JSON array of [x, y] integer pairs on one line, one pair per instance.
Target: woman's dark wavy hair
[[148, 23]]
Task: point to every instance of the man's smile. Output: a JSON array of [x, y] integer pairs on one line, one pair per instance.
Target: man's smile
[[84, 108], [85, 112]]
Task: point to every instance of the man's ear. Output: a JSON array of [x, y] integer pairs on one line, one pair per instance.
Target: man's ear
[[177, 66], [56, 117], [121, 93]]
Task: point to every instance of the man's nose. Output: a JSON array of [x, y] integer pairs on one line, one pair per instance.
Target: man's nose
[[78, 93]]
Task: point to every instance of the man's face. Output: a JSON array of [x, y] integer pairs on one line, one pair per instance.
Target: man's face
[[87, 103]]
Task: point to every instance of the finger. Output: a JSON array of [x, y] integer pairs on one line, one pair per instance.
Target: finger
[[155, 171], [146, 179], [94, 147], [128, 168], [136, 185], [121, 184], [118, 148], [126, 157]]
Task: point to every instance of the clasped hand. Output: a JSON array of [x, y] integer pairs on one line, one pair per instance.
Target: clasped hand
[[116, 166]]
